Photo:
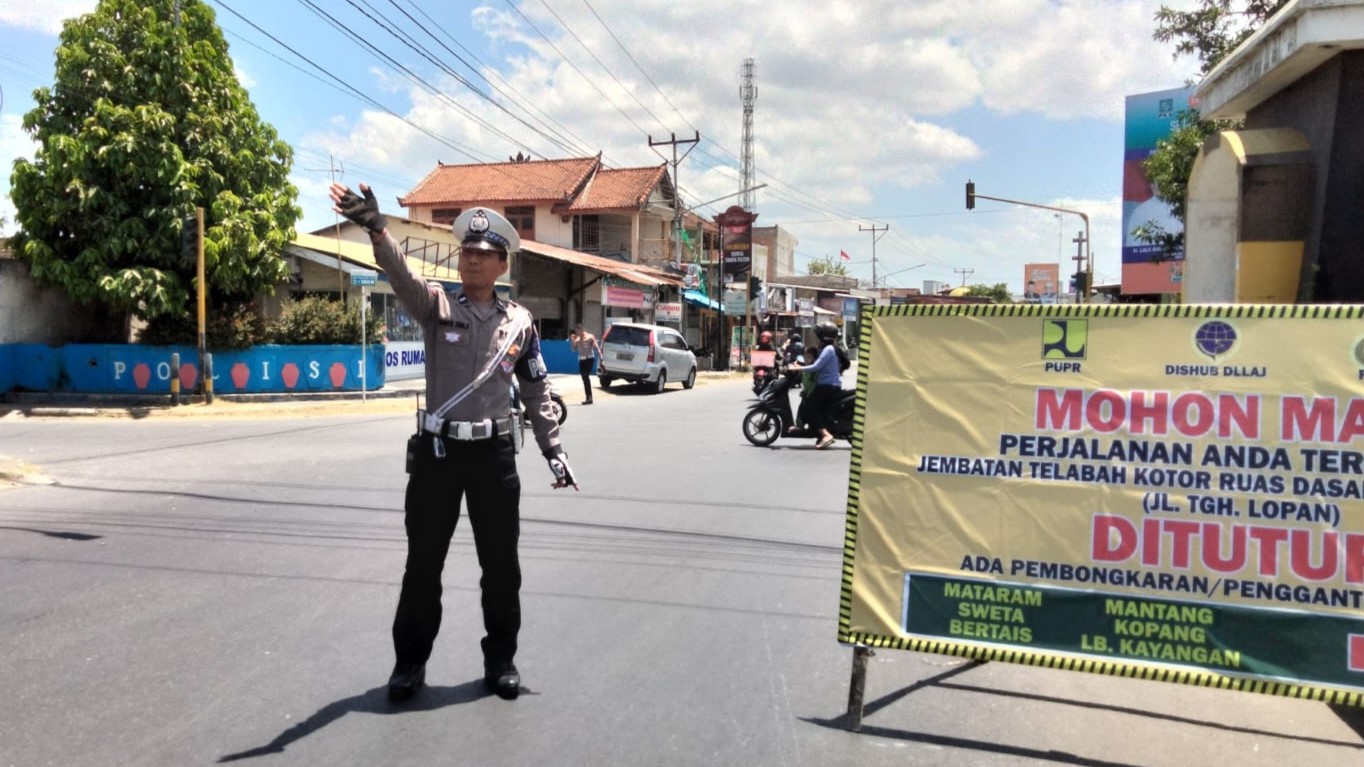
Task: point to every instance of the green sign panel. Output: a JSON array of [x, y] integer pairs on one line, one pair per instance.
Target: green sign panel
[[1288, 644]]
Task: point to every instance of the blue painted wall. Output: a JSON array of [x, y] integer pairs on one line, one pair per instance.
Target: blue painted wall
[[560, 357], [134, 369]]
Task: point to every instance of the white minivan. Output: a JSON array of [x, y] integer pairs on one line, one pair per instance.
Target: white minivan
[[647, 354]]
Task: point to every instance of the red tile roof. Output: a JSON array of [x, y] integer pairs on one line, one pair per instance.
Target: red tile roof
[[618, 189], [533, 181]]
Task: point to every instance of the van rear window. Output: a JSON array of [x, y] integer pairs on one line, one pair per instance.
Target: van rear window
[[619, 334]]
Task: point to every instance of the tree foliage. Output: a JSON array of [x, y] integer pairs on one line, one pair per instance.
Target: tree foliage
[[998, 291], [827, 265], [1168, 169], [145, 121], [1209, 31], [1213, 28]]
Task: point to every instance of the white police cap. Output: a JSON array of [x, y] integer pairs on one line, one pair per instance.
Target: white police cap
[[486, 229]]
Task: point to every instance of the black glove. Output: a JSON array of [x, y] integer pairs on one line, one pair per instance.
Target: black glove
[[362, 210], [563, 473]]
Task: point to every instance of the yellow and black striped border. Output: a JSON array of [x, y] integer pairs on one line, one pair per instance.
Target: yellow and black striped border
[[1131, 669]]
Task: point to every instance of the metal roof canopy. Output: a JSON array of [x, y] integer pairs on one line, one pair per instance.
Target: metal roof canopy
[[636, 273]]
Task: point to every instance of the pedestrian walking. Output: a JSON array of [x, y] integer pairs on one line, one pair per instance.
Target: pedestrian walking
[[465, 449]]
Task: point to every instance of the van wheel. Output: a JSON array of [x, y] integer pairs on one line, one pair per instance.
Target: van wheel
[[662, 380], [690, 380]]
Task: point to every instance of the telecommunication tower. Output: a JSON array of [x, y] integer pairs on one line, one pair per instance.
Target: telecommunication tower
[[748, 93]]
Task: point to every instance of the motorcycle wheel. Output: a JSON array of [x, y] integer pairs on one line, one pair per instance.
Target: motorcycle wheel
[[761, 427], [560, 410]]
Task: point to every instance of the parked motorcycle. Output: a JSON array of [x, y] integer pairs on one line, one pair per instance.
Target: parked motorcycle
[[557, 402], [770, 417]]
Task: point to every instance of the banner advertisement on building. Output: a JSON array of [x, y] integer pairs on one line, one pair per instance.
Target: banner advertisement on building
[[1150, 117], [1167, 492]]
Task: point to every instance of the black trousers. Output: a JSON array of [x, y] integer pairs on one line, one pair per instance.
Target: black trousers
[[484, 473], [585, 369], [817, 403]]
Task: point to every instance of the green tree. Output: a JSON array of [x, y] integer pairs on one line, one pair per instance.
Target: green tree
[[998, 291], [1168, 169], [1210, 31], [145, 121], [1213, 29], [827, 265]]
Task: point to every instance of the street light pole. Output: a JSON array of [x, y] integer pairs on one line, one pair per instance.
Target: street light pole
[[972, 196]]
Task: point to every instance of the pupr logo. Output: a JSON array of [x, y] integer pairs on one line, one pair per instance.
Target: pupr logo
[[1064, 339]]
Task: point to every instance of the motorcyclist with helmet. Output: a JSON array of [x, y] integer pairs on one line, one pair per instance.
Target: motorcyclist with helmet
[[762, 374], [793, 349], [828, 371]]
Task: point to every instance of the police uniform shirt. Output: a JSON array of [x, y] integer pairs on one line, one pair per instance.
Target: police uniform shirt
[[463, 338]]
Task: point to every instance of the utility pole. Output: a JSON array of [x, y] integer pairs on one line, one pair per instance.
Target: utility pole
[[677, 214], [874, 237], [1081, 291], [964, 274], [677, 195]]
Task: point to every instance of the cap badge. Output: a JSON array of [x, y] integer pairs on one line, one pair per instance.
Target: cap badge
[[479, 223]]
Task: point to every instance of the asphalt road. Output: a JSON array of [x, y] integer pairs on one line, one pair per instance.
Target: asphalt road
[[204, 590]]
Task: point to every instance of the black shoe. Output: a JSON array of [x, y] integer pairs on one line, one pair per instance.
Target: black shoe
[[502, 680], [586, 402], [406, 680]]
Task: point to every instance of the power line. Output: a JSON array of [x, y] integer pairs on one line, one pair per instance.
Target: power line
[[515, 98], [466, 151]]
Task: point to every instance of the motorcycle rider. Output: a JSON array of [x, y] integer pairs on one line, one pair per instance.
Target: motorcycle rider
[[793, 349], [828, 370], [764, 373]]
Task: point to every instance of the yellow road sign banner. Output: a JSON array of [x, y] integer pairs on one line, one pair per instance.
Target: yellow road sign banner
[[1169, 492]]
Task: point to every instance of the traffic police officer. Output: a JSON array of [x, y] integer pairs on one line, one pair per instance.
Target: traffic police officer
[[475, 342]]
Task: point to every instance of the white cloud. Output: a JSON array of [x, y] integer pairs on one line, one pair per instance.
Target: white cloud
[[46, 16], [14, 144]]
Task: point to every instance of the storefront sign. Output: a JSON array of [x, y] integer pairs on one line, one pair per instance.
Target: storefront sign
[[627, 296], [668, 312]]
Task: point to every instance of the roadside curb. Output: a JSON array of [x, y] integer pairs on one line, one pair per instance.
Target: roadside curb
[[69, 405]]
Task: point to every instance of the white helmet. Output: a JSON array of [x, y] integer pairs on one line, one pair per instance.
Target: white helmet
[[486, 229]]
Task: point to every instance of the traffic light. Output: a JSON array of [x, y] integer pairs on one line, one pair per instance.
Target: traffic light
[[970, 195], [1080, 281], [755, 286], [189, 238]]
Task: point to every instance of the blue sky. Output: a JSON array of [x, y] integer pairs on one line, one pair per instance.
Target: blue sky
[[869, 114]]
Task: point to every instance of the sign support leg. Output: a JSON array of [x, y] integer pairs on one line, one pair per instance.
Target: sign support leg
[[857, 686]]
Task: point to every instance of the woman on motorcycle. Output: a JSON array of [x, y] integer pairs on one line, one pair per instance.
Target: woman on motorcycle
[[828, 373]]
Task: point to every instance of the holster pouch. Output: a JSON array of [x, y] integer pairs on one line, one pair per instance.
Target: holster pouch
[[518, 430], [413, 445]]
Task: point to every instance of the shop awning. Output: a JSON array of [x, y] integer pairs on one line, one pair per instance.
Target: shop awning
[[639, 274], [697, 298]]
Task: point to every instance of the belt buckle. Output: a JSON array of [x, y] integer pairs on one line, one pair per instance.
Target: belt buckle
[[462, 430]]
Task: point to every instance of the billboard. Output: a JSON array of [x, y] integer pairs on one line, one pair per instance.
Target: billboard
[[1170, 492], [1150, 118], [1041, 283]]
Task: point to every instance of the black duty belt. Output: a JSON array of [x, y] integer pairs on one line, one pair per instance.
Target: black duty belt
[[463, 431]]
